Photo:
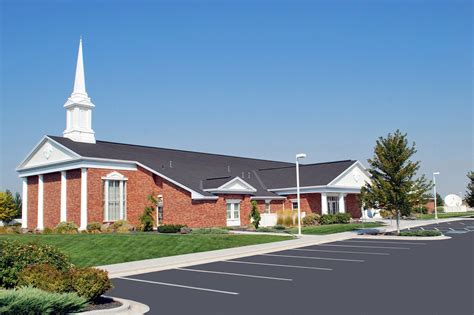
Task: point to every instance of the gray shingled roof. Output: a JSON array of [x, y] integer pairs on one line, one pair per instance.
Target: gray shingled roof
[[199, 171]]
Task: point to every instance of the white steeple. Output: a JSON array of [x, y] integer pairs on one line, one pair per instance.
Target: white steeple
[[79, 107]]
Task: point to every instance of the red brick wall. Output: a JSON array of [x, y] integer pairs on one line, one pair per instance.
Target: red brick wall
[[51, 199], [140, 184], [352, 205], [32, 216], [73, 199], [309, 203]]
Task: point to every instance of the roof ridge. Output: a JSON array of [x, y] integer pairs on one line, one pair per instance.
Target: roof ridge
[[180, 150], [302, 165]]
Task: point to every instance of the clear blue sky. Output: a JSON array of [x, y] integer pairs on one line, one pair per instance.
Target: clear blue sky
[[264, 79]]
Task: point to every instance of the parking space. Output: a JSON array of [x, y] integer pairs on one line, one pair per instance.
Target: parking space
[[354, 276], [449, 228]]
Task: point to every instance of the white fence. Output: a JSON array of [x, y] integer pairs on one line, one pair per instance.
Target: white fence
[[268, 219]]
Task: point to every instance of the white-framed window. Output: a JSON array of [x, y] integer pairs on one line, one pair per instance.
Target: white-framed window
[[159, 210], [294, 205], [233, 209], [115, 197], [333, 205], [267, 206]]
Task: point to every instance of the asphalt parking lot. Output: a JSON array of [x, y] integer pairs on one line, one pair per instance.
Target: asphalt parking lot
[[348, 277]]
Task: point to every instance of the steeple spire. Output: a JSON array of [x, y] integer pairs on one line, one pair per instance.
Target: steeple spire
[[79, 107], [79, 82]]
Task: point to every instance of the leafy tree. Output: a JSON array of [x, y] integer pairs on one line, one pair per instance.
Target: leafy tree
[[146, 219], [393, 185], [439, 200], [469, 199], [255, 214], [18, 204], [7, 207]]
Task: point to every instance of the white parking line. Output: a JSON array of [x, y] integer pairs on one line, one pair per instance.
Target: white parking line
[[179, 286], [422, 228], [275, 265], [467, 229], [316, 258], [360, 246], [235, 274], [462, 223], [338, 251], [436, 229], [451, 229], [385, 242]]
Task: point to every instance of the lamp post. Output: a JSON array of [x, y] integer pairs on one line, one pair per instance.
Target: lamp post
[[298, 156], [434, 188]]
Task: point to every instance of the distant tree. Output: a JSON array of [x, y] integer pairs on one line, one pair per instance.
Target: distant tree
[[439, 200], [8, 209], [469, 199], [255, 214], [393, 185]]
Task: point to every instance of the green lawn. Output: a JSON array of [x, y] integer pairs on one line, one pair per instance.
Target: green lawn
[[442, 215], [334, 228], [104, 249]]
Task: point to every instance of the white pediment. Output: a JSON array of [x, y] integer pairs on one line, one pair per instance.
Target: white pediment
[[354, 177], [47, 152], [235, 185]]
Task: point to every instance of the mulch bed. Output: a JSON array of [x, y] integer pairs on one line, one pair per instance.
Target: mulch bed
[[101, 304]]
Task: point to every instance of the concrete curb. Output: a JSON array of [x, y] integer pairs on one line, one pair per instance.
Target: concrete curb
[[405, 238], [128, 307]]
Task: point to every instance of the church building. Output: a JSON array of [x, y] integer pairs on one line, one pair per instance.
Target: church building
[[80, 179]]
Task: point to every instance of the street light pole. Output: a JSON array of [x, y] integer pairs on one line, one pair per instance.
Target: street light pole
[[298, 156], [434, 188]]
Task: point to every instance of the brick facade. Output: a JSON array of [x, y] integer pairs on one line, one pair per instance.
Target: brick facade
[[178, 207], [52, 204]]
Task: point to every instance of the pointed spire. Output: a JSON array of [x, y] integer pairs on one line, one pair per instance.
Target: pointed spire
[[79, 82]]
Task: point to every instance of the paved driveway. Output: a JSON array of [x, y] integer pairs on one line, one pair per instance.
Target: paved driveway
[[347, 277]]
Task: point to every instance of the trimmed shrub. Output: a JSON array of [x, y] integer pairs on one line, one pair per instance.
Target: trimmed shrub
[[386, 214], [48, 230], [90, 283], [170, 228], [66, 228], [311, 219], [106, 228], [279, 227], [10, 229], [254, 215], [210, 231], [118, 224], [94, 227], [327, 219], [45, 277], [35, 301], [342, 218], [15, 256]]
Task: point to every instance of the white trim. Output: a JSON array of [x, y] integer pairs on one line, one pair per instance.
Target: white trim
[[106, 201], [114, 176], [88, 162], [83, 199], [342, 203], [121, 200], [224, 188], [63, 211], [320, 189], [324, 203], [36, 147], [362, 167], [267, 198], [24, 204], [40, 223], [233, 200]]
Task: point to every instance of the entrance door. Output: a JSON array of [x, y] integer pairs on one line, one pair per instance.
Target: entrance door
[[333, 205], [233, 213]]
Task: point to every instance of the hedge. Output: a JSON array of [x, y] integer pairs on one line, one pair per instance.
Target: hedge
[[170, 228]]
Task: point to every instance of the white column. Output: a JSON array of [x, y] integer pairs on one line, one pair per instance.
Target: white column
[[24, 204], [324, 203], [40, 225], [342, 204], [106, 202], [121, 200], [63, 213], [83, 198]]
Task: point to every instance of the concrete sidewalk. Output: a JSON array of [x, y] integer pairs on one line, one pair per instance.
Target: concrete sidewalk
[[157, 264]]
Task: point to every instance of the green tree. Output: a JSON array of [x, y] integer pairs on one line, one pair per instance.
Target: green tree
[[255, 214], [17, 201], [393, 185], [469, 199], [439, 200], [146, 219], [7, 207]]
